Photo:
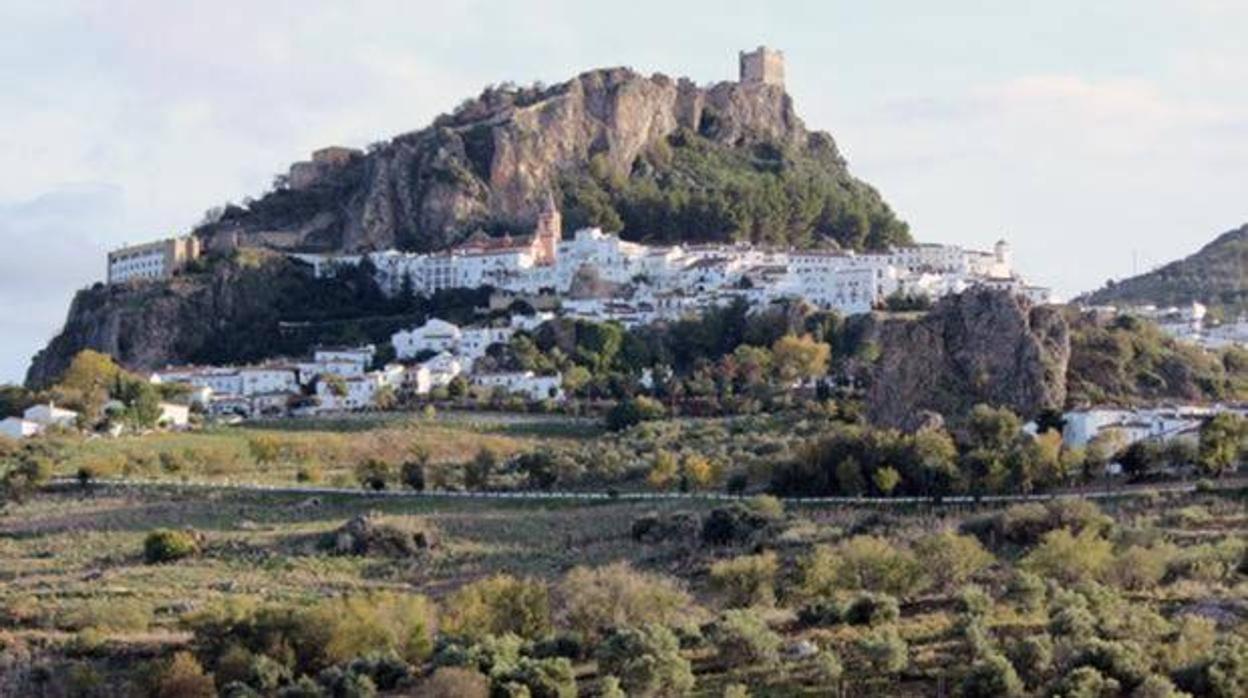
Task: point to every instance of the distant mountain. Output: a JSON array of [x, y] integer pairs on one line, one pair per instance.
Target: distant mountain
[[1217, 276]]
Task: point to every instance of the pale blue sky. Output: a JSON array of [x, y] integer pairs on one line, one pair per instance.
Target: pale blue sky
[[1088, 134]]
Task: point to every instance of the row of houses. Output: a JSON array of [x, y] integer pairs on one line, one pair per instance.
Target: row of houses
[[598, 276], [1129, 425], [342, 379], [39, 418]]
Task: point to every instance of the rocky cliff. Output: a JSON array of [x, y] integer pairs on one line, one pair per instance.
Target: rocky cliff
[[981, 346], [488, 165]]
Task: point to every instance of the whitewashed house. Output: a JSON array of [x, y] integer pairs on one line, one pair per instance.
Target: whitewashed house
[[18, 428], [271, 378], [435, 335], [49, 415], [174, 415], [524, 383], [361, 355]]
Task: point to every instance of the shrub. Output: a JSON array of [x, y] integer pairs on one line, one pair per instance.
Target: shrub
[[1125, 662], [1032, 657], [183, 677], [1157, 687], [884, 650], [374, 474], [1069, 616], [1070, 558], [455, 681], [610, 688], [1086, 682], [633, 411], [748, 580], [595, 599], [1222, 675], [496, 606], [735, 524], [951, 559], [871, 562], [1138, 568], [742, 638], [821, 612], [974, 602], [991, 677], [166, 545], [652, 528], [873, 610], [647, 661], [828, 667], [1026, 590], [544, 678], [737, 690]]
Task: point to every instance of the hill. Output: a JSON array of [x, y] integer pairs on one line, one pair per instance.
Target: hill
[[657, 158], [1216, 275]]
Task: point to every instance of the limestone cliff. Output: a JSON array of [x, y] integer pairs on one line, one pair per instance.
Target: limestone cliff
[[488, 164], [980, 346]]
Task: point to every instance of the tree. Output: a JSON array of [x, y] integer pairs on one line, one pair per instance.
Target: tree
[[647, 661], [885, 651], [385, 398], [183, 677], [992, 677], [479, 470], [748, 580], [799, 358], [1223, 443], [742, 639], [24, 474], [616, 595], [697, 470], [663, 470], [951, 559], [632, 411], [498, 605], [412, 472], [993, 430], [1069, 558], [886, 480]]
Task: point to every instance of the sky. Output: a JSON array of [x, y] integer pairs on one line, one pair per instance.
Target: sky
[[1098, 138]]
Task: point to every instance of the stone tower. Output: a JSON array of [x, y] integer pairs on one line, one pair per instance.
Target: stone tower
[[547, 233], [762, 66]]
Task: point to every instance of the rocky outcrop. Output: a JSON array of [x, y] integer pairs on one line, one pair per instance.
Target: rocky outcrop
[[145, 326], [981, 346], [490, 162]]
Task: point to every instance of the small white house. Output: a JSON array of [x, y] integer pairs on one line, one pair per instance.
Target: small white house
[[18, 428], [49, 415], [362, 355], [435, 335], [174, 415], [524, 383]]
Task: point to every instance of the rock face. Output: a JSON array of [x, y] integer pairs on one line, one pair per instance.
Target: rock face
[[146, 326], [491, 161], [980, 346]]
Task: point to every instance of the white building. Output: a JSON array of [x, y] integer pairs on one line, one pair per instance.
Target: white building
[[49, 415], [435, 336], [525, 383], [1161, 424], [152, 260], [362, 356], [18, 428], [174, 415]]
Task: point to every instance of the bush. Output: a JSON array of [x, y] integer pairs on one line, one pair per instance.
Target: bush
[[884, 650], [748, 580], [821, 613], [1124, 661], [872, 563], [951, 559], [647, 661], [991, 677], [742, 638], [1069, 558], [544, 678], [735, 524], [611, 688], [496, 606], [165, 545], [1086, 682], [183, 677], [374, 474], [455, 681], [1223, 675], [873, 610], [828, 667], [1138, 568], [1032, 657], [1158, 687], [596, 599], [974, 602], [1026, 590], [633, 411], [653, 528]]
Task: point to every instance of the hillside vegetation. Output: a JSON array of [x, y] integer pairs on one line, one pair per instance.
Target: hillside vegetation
[[1216, 275]]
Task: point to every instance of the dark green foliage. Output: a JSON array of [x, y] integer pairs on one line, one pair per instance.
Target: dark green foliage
[[544, 678], [872, 609], [164, 545], [633, 411], [646, 660], [991, 677], [735, 524], [821, 613], [1131, 361], [742, 638], [691, 188]]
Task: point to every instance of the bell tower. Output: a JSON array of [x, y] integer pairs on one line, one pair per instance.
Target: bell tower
[[547, 233]]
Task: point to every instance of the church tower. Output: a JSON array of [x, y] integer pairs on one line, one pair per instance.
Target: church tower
[[547, 233]]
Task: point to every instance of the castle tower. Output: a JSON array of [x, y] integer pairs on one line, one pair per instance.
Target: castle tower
[[1001, 251], [762, 66], [547, 233]]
